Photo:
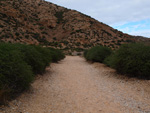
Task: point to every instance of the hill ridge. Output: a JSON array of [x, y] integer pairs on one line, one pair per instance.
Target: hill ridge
[[42, 22]]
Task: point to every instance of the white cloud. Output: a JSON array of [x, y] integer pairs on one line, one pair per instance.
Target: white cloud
[[111, 12], [145, 33], [137, 29]]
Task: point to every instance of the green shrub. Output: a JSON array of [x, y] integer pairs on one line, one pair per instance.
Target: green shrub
[[32, 57], [132, 60], [46, 56], [19, 63], [109, 61], [15, 74], [85, 53], [59, 16], [56, 54], [98, 53]]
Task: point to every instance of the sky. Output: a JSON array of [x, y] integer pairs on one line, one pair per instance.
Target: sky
[[128, 16]]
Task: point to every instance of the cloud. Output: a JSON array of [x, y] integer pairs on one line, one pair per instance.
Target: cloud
[[111, 12], [136, 28], [144, 33]]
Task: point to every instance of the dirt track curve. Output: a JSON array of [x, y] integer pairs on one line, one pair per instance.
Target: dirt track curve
[[75, 86]]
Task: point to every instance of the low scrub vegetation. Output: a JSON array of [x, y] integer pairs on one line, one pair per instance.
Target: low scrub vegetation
[[132, 60], [19, 64], [97, 53]]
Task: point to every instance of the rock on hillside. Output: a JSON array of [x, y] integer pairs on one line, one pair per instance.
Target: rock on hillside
[[41, 22]]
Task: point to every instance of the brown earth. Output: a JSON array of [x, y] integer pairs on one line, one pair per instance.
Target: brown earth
[[45, 23], [75, 86]]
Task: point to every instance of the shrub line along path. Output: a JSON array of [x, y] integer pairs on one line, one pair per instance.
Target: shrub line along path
[[75, 86]]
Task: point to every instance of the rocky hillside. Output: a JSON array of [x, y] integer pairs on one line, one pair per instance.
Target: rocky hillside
[[41, 22]]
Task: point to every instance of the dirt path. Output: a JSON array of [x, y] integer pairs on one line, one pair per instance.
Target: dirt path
[[75, 86]]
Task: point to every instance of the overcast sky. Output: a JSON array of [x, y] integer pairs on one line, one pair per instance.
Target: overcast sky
[[129, 16]]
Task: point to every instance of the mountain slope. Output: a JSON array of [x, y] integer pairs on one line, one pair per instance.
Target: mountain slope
[[41, 22]]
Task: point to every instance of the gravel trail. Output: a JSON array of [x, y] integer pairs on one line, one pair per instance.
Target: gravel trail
[[75, 86]]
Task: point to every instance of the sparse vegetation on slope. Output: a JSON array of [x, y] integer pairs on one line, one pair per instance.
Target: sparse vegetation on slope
[[20, 63], [38, 22]]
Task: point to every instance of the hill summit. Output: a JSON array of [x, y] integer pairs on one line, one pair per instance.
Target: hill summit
[[41, 22]]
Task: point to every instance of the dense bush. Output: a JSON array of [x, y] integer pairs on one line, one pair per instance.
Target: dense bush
[[33, 57], [19, 63], [85, 53], [45, 55], [15, 74], [56, 54], [59, 16], [97, 53], [132, 60]]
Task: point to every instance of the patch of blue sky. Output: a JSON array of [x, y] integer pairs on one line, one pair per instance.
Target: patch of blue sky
[[134, 27]]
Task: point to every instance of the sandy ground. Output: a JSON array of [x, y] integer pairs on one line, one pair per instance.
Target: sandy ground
[[75, 86]]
